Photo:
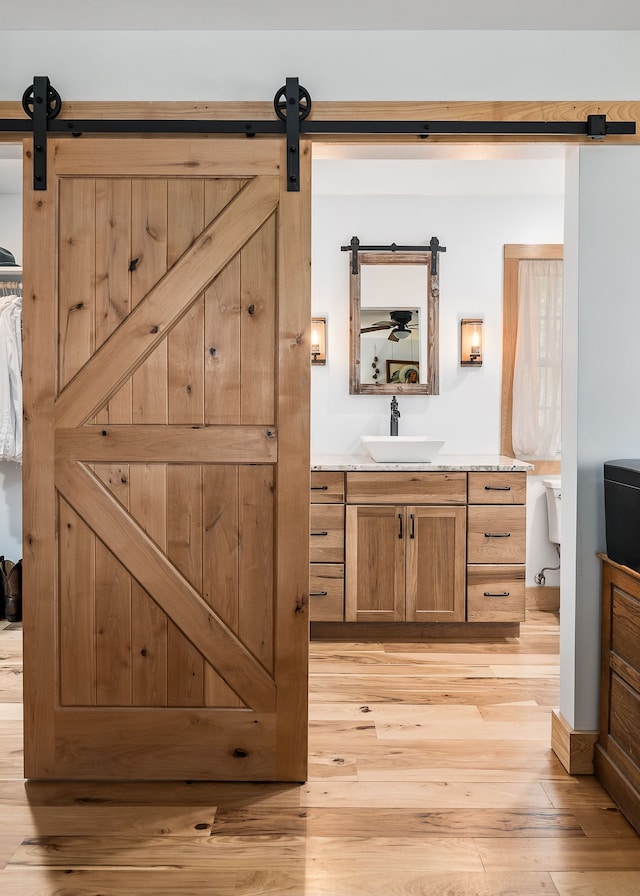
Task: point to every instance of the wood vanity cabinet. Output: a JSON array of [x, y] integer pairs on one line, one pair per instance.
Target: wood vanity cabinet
[[405, 562], [326, 547], [496, 546], [396, 546]]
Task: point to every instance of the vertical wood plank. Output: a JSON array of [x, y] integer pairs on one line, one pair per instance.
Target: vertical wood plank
[[292, 478], [258, 321], [76, 608], [220, 545], [149, 250], [256, 585], [185, 394], [148, 482], [185, 221], [76, 278], [220, 564], [113, 278], [113, 607], [222, 323], [148, 622], [40, 558], [185, 665]]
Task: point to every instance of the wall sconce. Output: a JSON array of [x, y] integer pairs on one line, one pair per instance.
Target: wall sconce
[[318, 340], [471, 342]]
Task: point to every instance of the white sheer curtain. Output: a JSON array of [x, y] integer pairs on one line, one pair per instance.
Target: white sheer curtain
[[537, 377]]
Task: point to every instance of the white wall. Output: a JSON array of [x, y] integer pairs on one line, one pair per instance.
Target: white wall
[[466, 413], [332, 65], [600, 405]]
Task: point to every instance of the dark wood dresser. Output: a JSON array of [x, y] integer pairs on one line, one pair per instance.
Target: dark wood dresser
[[617, 754]]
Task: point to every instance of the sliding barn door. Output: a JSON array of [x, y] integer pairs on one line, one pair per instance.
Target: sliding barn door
[[166, 368]]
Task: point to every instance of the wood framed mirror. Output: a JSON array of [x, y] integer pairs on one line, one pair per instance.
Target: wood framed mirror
[[394, 319]]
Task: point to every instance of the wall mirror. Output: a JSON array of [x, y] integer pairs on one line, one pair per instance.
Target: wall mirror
[[393, 344]]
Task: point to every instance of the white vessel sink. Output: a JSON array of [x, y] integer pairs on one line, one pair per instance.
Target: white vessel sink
[[402, 449]]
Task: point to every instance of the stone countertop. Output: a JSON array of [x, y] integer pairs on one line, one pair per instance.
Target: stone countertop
[[443, 463]]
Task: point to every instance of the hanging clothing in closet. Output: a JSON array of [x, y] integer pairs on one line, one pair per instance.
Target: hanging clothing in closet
[[11, 378]]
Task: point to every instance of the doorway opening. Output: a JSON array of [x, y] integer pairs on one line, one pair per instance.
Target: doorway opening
[[420, 218]]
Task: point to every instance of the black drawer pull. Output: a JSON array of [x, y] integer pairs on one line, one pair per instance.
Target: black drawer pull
[[496, 594], [400, 532], [497, 488], [318, 593], [320, 534], [319, 488], [497, 534]]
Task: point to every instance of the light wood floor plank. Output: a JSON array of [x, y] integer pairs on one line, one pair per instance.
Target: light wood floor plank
[[441, 795], [603, 822], [398, 823], [88, 820], [581, 791], [141, 793], [569, 854], [228, 853], [597, 883], [392, 883], [130, 882]]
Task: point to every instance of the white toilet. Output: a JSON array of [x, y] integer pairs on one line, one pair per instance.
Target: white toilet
[[553, 488]]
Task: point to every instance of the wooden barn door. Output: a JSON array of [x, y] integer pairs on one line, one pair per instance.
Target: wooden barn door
[[166, 368]]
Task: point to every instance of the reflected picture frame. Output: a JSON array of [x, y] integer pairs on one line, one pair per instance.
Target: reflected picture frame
[[403, 372]]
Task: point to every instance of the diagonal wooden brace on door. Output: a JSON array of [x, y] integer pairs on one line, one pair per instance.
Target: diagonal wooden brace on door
[[170, 590], [166, 303]]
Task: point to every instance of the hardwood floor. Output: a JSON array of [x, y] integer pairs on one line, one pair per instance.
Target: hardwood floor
[[430, 775]]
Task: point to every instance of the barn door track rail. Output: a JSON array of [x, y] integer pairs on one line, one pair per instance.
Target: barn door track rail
[[292, 104]]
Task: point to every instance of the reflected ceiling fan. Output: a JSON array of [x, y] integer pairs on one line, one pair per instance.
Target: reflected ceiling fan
[[399, 324]]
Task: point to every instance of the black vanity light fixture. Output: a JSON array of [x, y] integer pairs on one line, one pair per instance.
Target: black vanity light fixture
[[318, 340], [471, 352]]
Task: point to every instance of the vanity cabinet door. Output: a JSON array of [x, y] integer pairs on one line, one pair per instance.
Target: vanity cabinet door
[[405, 564], [374, 574], [435, 564]]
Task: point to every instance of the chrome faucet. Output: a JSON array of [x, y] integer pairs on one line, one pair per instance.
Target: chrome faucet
[[395, 415]]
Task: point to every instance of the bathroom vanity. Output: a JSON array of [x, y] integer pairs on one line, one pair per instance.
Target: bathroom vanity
[[421, 547]]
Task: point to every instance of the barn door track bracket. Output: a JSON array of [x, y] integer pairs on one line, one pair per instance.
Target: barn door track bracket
[[292, 105]]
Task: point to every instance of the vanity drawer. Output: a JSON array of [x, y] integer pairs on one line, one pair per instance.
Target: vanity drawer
[[495, 593], [496, 534], [406, 488], [497, 488], [326, 538], [326, 592], [327, 487]]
